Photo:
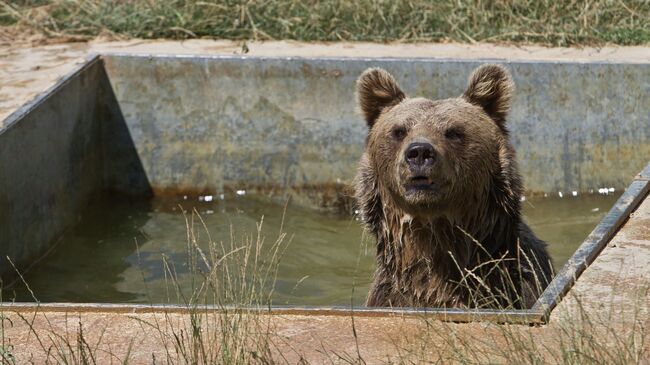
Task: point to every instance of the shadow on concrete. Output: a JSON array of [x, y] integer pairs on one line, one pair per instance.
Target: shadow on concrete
[[123, 169]]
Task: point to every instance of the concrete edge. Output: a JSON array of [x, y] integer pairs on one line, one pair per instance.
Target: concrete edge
[[356, 58], [597, 240], [448, 315], [42, 96]]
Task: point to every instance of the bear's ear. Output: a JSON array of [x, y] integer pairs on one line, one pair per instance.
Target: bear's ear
[[491, 88], [376, 90]]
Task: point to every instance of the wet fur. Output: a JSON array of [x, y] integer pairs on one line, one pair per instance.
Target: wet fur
[[470, 249]]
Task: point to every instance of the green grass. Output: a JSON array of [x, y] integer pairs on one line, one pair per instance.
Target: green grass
[[558, 23]]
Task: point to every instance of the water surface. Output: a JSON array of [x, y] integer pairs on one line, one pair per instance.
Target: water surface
[[115, 253]]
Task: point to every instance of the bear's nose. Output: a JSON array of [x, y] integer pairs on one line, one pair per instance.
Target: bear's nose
[[420, 154]]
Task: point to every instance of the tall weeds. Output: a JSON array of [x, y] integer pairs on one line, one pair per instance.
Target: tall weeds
[[224, 288], [224, 320], [231, 285]]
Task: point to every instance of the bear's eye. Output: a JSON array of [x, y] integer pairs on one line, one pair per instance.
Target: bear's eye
[[454, 134], [398, 133]]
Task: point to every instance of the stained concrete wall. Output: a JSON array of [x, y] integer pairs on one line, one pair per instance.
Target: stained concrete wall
[[200, 122]]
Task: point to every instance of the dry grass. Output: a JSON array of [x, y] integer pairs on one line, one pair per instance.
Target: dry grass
[[237, 277], [559, 23], [575, 336], [226, 287]]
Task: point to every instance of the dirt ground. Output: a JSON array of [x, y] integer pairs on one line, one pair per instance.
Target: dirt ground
[[613, 292]]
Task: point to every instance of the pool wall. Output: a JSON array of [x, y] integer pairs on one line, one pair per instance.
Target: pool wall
[[50, 164], [206, 122], [153, 124], [56, 153]]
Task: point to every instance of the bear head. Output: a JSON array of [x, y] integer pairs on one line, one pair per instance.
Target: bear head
[[437, 157]]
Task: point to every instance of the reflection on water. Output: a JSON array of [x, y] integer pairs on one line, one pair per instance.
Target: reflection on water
[[115, 253], [565, 223]]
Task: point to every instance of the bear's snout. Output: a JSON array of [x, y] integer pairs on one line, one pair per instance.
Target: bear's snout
[[419, 155]]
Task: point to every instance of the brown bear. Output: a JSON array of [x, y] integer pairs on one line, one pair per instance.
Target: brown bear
[[438, 187]]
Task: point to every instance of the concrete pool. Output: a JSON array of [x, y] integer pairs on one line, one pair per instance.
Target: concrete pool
[[143, 125]]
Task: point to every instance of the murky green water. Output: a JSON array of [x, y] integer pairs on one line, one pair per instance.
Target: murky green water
[[325, 256]]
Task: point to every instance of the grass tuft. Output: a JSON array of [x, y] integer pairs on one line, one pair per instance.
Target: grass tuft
[[230, 285]]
